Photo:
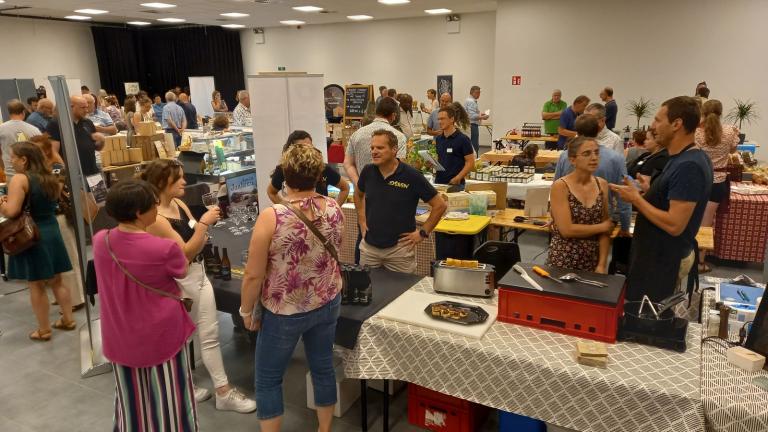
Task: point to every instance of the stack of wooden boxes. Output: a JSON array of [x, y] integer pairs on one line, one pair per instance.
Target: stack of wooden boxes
[[146, 136], [116, 152]]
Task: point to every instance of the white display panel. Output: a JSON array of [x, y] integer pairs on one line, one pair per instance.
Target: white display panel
[[280, 104], [201, 89]]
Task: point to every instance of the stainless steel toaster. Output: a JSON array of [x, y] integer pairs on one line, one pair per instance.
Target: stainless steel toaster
[[479, 282]]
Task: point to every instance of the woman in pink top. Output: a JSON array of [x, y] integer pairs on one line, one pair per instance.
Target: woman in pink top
[[297, 281], [718, 141], [144, 332]]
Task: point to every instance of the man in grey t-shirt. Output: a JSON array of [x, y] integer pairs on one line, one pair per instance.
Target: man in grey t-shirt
[[13, 131], [359, 145]]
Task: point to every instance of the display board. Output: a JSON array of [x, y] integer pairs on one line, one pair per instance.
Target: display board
[[356, 98], [444, 85], [201, 89], [296, 103], [10, 89], [131, 88]]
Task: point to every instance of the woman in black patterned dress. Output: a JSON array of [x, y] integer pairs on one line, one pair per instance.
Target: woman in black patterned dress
[[581, 225]]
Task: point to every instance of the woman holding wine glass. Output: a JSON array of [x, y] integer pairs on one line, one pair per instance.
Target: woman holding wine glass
[[176, 222]]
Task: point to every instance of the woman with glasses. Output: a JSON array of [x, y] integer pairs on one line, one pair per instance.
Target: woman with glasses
[[176, 223], [144, 325], [581, 225]]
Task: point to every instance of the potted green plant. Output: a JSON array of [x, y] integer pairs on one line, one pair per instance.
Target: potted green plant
[[743, 111], [640, 109]]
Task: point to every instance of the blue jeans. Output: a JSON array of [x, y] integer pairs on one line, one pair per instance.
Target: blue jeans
[[278, 337], [474, 131]]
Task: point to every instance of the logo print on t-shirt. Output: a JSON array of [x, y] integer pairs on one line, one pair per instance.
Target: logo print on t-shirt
[[398, 184]]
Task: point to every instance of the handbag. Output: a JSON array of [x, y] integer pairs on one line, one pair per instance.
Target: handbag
[[186, 301], [20, 233]]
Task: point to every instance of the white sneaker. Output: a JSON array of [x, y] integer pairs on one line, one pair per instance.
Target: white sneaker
[[236, 401], [201, 394]]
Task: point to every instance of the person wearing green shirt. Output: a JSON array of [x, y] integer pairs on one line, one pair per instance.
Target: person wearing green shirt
[[551, 112]]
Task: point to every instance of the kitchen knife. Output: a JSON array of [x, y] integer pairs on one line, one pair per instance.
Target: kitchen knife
[[527, 278]]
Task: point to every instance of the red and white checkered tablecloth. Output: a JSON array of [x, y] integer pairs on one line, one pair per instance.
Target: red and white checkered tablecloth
[[741, 232]]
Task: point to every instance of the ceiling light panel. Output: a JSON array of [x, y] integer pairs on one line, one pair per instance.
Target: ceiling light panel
[[307, 8], [360, 17], [172, 20], [438, 11], [138, 23], [292, 22], [77, 17], [235, 15], [394, 2], [91, 11], [158, 5], [233, 26]]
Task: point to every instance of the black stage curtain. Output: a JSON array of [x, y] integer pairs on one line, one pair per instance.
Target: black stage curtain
[[160, 59]]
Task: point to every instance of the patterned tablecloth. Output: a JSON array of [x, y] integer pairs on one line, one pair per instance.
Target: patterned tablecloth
[[731, 402], [534, 373], [742, 232]]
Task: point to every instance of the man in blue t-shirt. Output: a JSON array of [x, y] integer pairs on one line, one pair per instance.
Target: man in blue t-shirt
[[671, 209], [611, 109], [567, 128], [454, 150]]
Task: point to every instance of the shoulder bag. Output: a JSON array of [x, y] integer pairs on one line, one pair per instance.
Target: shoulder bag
[[186, 301], [20, 233], [326, 243]]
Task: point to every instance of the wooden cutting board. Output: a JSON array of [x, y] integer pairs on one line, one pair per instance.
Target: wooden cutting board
[[409, 309]]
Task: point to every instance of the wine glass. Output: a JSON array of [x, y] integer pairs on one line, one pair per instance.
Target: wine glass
[[210, 201]]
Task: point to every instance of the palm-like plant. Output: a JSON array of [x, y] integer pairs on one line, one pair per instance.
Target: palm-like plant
[[743, 111], [640, 109]]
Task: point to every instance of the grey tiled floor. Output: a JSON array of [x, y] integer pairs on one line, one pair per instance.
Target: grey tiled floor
[[41, 389]]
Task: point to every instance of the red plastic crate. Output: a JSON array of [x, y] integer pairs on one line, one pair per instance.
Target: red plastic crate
[[580, 318], [435, 411]]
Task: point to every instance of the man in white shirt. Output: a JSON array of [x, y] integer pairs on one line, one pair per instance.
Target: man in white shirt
[[605, 136], [13, 131], [359, 147], [475, 117], [242, 112]]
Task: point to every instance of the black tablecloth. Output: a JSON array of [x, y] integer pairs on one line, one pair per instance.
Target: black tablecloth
[[387, 286]]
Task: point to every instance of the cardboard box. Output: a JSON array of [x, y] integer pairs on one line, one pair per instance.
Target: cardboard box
[[134, 155], [490, 196], [147, 145], [146, 128], [117, 157], [347, 389], [106, 158], [457, 201]]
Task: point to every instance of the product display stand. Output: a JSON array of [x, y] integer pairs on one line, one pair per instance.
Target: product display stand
[[92, 361]]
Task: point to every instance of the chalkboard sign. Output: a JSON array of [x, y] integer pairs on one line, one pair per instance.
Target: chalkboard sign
[[356, 100]]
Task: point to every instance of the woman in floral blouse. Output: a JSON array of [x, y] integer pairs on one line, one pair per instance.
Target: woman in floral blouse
[[295, 281]]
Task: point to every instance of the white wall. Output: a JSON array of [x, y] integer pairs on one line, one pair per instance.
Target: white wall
[[406, 54], [651, 48], [38, 48]]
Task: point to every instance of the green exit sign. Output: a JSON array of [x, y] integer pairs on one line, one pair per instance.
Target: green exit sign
[[281, 68]]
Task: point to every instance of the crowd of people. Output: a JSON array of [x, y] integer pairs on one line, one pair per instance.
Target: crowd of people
[[154, 292]]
